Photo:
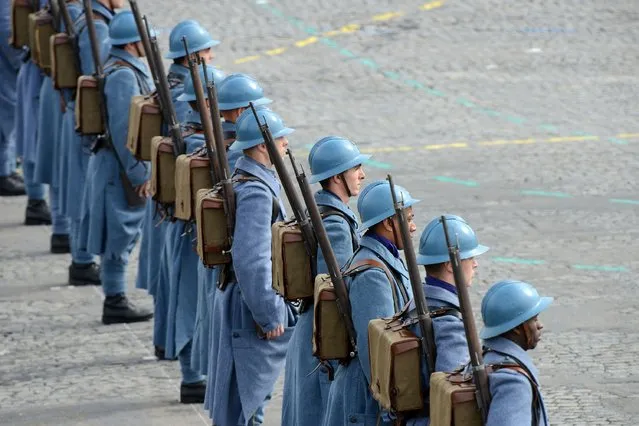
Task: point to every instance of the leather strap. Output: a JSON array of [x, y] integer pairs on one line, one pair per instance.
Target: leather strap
[[366, 264]]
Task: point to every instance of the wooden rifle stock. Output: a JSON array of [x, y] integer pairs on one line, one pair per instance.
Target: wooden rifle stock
[[132, 197], [474, 345], [423, 316], [334, 270]]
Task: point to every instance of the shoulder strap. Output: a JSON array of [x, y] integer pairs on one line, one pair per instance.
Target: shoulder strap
[[240, 177], [365, 264], [326, 211], [442, 311], [174, 80], [519, 367]]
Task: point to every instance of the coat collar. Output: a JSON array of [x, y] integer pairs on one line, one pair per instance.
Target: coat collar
[[125, 56], [180, 71], [438, 296], [227, 126], [248, 165], [381, 251], [327, 198], [192, 116], [102, 10], [510, 348]]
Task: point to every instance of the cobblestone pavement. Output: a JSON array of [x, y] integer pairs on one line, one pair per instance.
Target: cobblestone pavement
[[518, 116]]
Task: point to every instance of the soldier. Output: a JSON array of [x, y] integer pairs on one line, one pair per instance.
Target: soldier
[[336, 164], [11, 183], [372, 296], [183, 280], [252, 322], [439, 286], [234, 94], [154, 263], [75, 149], [110, 226], [510, 310], [25, 125]]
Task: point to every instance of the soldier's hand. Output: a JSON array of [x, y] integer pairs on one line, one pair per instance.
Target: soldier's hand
[[275, 333], [144, 190]]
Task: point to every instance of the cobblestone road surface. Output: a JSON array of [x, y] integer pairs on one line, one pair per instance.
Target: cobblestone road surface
[[519, 116]]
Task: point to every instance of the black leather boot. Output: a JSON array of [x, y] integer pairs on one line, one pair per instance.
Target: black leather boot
[[37, 213], [84, 274], [60, 243], [119, 310], [10, 187], [192, 393]]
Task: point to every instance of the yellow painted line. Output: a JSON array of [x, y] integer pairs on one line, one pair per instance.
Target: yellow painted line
[[572, 139], [387, 149], [387, 16], [247, 59], [446, 146], [277, 51], [507, 142], [350, 28], [431, 5], [628, 135], [331, 33], [306, 42]]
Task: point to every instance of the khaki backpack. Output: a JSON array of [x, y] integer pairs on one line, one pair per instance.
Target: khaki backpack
[[64, 71], [42, 32], [330, 339], [145, 123], [20, 11], [192, 173]]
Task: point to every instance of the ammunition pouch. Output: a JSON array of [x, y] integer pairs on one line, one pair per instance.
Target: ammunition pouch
[[64, 70], [330, 338], [40, 31], [20, 23], [192, 173], [145, 123], [162, 170], [292, 265]]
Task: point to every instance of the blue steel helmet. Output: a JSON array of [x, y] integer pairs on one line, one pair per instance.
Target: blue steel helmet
[[248, 131], [196, 36], [123, 30], [375, 202], [237, 90], [432, 243], [508, 304], [189, 89], [331, 156]]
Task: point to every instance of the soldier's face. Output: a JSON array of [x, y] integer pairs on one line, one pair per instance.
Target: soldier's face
[[353, 178], [207, 55], [533, 329], [468, 267], [412, 227], [282, 145], [117, 4]]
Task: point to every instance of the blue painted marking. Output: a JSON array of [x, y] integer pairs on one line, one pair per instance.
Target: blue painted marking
[[518, 260], [549, 127], [545, 193], [369, 63], [623, 201], [601, 268], [392, 75], [465, 102], [456, 181], [516, 120], [329, 42], [489, 112], [414, 83], [618, 141], [435, 92], [378, 164], [347, 52]]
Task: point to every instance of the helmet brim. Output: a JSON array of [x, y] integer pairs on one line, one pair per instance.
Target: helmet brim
[[227, 106], [388, 213], [360, 159]]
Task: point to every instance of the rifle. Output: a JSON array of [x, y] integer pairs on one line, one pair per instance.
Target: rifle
[[222, 162], [310, 242], [202, 108], [152, 50], [480, 375], [425, 322], [132, 197], [55, 12], [343, 302]]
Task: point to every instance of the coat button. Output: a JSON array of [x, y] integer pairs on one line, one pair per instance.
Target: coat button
[[352, 419], [236, 335]]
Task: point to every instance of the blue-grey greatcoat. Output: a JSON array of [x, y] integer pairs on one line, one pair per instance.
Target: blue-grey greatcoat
[[349, 398], [154, 227], [247, 366], [207, 280], [510, 390], [110, 226], [450, 338], [10, 61], [183, 278], [78, 147], [48, 133], [26, 115], [305, 385]]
